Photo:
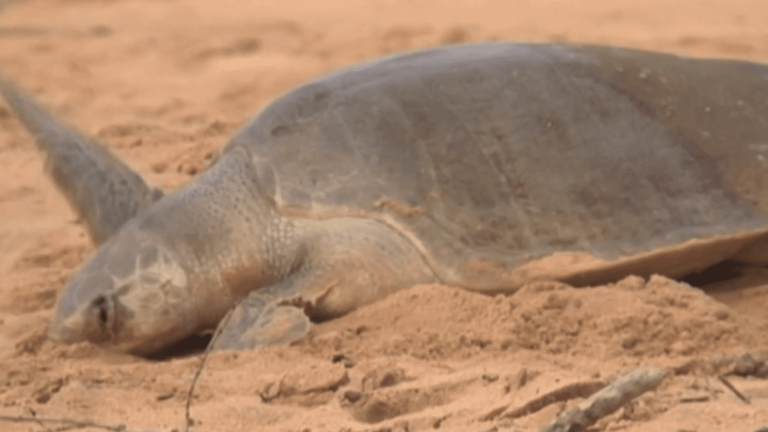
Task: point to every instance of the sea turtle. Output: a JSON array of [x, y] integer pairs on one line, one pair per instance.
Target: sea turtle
[[482, 166]]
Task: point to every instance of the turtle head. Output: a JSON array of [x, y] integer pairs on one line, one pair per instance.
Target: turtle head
[[131, 296]]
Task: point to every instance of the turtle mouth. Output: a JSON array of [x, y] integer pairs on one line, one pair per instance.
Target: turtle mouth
[[142, 347], [71, 331], [62, 332]]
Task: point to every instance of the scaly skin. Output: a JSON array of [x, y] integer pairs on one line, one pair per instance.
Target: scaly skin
[[176, 268]]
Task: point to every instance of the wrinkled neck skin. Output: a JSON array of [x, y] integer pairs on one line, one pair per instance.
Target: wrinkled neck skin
[[179, 265], [228, 236]]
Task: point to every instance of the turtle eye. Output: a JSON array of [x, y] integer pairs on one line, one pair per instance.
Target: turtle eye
[[100, 304]]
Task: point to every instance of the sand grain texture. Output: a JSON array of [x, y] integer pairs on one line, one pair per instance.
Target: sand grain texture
[[164, 83]]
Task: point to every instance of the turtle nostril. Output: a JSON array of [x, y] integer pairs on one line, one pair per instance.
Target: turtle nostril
[[100, 303]]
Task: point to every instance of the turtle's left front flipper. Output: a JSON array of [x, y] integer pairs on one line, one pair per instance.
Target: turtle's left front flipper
[[103, 190]]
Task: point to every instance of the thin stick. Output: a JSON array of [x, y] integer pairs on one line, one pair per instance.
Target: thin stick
[[65, 421], [568, 391], [34, 414], [609, 399], [223, 323], [735, 391]]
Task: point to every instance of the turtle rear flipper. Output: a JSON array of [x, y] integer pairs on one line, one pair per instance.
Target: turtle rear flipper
[[104, 191]]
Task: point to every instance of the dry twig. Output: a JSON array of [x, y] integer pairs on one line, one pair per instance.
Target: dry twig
[[735, 391], [65, 421], [42, 425], [223, 323], [564, 393], [607, 400]]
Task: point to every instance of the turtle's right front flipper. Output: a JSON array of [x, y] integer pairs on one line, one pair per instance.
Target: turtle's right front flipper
[[261, 319], [338, 265], [103, 190]]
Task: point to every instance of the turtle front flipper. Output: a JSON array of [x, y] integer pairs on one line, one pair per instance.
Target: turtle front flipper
[[261, 319], [103, 190], [339, 265]]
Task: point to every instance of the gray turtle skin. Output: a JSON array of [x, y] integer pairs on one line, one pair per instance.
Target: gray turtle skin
[[482, 166]]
